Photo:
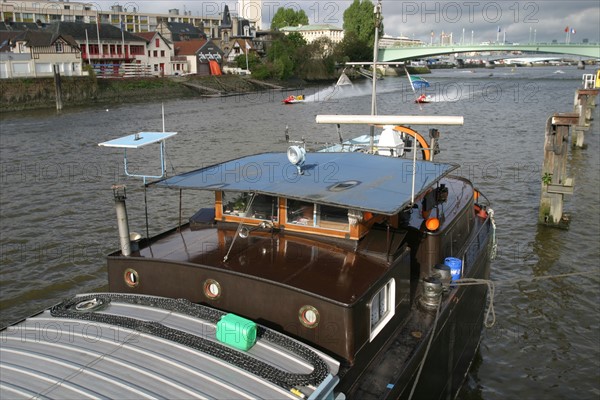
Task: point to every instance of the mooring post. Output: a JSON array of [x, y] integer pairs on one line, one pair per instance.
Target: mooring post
[[57, 87], [584, 102], [555, 183]]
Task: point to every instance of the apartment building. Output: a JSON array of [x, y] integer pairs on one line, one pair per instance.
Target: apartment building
[[128, 16]]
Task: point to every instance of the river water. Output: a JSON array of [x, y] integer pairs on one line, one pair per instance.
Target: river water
[[58, 222]]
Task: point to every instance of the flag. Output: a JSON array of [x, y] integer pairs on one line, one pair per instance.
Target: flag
[[122, 26], [418, 83], [248, 47]]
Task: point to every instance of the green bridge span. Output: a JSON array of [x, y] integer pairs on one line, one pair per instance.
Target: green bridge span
[[589, 50]]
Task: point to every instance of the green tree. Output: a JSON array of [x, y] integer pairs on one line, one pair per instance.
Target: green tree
[[288, 17], [360, 20], [351, 48], [253, 60], [317, 60], [284, 54]]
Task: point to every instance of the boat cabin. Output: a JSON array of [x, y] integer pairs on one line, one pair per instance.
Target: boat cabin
[[324, 249]]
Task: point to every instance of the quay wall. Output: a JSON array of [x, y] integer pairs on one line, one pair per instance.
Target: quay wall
[[37, 93]]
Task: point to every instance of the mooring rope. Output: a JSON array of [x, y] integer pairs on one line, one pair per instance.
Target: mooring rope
[[490, 294], [435, 321], [490, 311], [492, 288]]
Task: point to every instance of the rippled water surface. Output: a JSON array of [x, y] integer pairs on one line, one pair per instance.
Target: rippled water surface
[[58, 223]]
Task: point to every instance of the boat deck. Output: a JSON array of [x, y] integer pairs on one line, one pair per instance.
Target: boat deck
[[147, 347], [313, 266]]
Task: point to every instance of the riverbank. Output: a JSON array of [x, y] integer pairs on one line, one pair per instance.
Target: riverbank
[[39, 93]]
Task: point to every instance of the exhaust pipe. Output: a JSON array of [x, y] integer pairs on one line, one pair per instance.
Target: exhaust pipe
[[122, 221]]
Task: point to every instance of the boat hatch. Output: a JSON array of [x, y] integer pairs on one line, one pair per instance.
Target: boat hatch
[[356, 181]]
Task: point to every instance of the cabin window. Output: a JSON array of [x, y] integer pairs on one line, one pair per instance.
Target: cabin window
[[333, 218], [262, 207], [310, 214], [382, 307], [300, 213]]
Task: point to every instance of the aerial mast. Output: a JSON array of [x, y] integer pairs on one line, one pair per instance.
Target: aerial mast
[[377, 12]]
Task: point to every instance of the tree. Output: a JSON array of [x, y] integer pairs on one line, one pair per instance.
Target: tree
[[288, 17], [253, 60], [360, 20], [317, 60], [351, 48]]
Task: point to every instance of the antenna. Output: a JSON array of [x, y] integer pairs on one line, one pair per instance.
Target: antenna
[[377, 12]]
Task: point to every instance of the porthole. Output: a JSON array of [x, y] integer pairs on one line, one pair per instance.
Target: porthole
[[212, 289], [309, 316], [132, 278]]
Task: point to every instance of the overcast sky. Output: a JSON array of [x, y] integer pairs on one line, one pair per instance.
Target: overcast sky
[[518, 20]]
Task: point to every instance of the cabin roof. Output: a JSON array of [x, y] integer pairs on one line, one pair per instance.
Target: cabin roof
[[358, 181]]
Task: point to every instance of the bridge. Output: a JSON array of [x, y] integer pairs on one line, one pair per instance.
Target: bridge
[[588, 50]]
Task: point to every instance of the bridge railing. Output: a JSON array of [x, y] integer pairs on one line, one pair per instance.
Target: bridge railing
[[479, 45]]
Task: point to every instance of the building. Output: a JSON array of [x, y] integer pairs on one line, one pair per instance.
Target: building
[[35, 53], [390, 41], [238, 47], [180, 31], [310, 33], [159, 54], [252, 10], [103, 46], [129, 16], [198, 55]]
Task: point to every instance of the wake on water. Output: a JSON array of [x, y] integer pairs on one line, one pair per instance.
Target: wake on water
[[341, 92], [364, 88]]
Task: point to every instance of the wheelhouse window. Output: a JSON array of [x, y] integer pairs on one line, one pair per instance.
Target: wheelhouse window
[[333, 217], [300, 213], [310, 214], [382, 308], [241, 204]]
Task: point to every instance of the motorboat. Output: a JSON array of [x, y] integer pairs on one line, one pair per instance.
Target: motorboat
[[294, 99], [424, 99]]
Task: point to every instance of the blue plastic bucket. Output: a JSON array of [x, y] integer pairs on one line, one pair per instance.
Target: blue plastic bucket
[[455, 265]]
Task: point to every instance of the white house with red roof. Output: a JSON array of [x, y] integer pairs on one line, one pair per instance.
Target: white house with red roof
[[159, 54]]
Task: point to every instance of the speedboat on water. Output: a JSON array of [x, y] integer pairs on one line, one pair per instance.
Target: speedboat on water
[[293, 99], [424, 99]]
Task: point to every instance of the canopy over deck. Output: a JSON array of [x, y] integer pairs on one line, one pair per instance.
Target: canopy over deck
[[359, 181], [138, 140]]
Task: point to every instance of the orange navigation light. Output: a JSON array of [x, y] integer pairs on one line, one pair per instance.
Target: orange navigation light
[[432, 224]]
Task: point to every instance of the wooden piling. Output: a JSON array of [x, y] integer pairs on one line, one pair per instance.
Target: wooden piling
[[57, 87], [555, 183], [584, 102]]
